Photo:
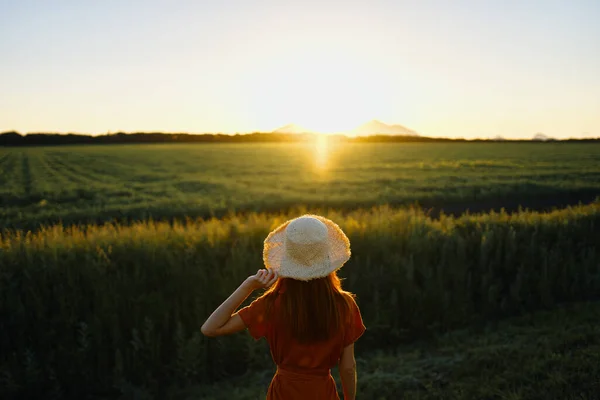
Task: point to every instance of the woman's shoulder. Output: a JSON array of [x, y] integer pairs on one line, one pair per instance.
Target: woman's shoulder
[[348, 296], [350, 303]]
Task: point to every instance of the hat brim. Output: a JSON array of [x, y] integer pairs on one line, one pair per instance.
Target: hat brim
[[275, 255]]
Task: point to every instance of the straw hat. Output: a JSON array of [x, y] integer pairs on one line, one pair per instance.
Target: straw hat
[[305, 248]]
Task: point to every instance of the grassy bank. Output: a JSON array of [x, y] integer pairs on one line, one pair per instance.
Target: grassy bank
[[102, 309]]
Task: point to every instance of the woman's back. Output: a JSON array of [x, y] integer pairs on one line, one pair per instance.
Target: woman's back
[[303, 368], [288, 350]]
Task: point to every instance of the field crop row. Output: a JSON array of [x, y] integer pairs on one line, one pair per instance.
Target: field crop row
[[92, 184], [113, 309]]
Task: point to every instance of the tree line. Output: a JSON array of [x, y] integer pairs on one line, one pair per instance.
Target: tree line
[[13, 138]]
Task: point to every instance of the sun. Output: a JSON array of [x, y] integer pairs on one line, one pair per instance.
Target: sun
[[322, 92]]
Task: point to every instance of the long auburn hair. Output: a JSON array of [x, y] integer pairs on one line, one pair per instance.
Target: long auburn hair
[[310, 311]]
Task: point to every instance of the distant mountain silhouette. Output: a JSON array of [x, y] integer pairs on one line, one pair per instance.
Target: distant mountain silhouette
[[540, 137], [292, 128], [375, 127], [370, 128]]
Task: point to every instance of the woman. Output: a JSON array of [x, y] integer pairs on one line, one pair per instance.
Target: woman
[[310, 323]]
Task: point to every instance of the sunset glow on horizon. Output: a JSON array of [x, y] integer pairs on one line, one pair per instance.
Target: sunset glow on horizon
[[446, 69]]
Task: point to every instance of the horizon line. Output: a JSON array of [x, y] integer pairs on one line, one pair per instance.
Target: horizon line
[[544, 137]]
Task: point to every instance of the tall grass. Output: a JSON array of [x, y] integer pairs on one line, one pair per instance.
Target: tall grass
[[109, 310]]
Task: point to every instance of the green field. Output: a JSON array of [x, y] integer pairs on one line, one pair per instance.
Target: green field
[[113, 310], [75, 184]]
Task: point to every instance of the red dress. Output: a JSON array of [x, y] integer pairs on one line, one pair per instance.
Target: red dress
[[303, 370]]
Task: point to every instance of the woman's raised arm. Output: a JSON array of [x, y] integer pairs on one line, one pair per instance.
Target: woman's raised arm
[[223, 321]]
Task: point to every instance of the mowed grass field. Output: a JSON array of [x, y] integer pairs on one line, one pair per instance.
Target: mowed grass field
[[88, 184]]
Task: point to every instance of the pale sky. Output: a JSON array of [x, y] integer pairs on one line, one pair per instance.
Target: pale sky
[[452, 68]]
